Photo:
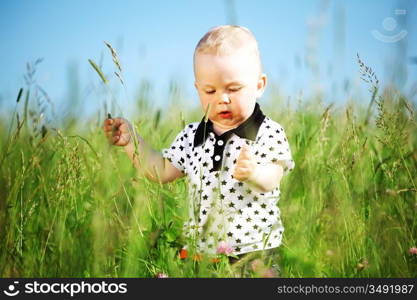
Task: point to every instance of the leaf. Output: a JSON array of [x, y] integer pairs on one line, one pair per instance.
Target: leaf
[[170, 236]]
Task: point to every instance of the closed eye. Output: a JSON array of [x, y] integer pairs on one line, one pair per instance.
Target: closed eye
[[235, 89], [210, 92]]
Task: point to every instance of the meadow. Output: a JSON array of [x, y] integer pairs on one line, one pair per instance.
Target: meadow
[[71, 205]]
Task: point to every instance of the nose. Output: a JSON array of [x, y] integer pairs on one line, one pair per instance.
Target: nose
[[224, 99]]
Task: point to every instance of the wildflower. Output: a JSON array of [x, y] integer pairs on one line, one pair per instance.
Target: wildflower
[[161, 275], [215, 260], [413, 251], [197, 257], [183, 253], [260, 270], [225, 248]]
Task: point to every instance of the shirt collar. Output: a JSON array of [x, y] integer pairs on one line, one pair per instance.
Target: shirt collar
[[248, 129]]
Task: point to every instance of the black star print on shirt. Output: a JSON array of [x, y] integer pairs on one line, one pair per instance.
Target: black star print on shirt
[[238, 201]]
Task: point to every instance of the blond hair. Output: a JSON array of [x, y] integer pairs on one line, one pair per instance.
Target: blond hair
[[225, 39]]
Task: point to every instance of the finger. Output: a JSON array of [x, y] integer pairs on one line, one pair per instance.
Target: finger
[[108, 121], [242, 170], [239, 176], [124, 128], [244, 163], [119, 121], [247, 151], [244, 152], [105, 125], [108, 133], [123, 140], [244, 156], [108, 128], [239, 165], [241, 156]]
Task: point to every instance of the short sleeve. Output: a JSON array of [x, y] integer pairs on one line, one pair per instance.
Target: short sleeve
[[176, 152], [274, 148]]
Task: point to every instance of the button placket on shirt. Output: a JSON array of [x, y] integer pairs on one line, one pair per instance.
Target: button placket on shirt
[[217, 156], [217, 147]]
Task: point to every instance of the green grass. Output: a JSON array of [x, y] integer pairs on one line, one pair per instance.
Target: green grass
[[71, 206]]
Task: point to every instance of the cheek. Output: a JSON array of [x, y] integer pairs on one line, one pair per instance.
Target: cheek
[[204, 100], [245, 101], [246, 95]]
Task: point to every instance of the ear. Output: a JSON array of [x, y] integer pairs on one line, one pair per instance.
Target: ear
[[261, 85], [195, 85]]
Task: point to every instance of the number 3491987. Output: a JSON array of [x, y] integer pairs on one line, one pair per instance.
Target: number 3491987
[[391, 288]]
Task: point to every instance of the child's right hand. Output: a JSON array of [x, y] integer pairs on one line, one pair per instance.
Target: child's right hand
[[118, 131]]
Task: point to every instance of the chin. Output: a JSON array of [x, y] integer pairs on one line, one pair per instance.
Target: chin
[[228, 123]]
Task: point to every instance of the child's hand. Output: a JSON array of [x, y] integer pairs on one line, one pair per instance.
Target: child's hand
[[118, 131], [245, 165]]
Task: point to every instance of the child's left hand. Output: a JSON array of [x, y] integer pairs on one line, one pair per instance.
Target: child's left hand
[[245, 165]]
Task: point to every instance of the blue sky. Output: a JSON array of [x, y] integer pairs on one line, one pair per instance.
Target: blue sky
[[155, 41]]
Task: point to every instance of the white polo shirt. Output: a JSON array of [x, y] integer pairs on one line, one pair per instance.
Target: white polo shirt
[[222, 208]]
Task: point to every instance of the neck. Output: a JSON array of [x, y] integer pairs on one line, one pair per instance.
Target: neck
[[219, 130]]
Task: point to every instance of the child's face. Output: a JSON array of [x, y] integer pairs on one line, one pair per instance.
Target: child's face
[[230, 84]]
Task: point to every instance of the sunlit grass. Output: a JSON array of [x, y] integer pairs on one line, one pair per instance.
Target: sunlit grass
[[71, 205]]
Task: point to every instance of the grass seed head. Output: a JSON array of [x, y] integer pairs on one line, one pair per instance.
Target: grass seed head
[[114, 56], [98, 70]]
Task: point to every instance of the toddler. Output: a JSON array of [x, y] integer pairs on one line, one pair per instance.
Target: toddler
[[234, 158]]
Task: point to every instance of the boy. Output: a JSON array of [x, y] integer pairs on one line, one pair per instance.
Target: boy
[[234, 158]]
